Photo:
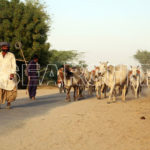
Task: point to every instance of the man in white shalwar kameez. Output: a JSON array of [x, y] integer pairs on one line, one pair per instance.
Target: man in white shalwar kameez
[[8, 90]]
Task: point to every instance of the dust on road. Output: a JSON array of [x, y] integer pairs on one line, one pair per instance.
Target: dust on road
[[89, 124]]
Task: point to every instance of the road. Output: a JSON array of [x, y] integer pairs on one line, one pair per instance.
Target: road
[[24, 108], [87, 124]]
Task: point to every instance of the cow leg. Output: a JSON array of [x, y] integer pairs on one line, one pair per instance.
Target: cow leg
[[74, 94], [91, 89], [132, 88], [105, 93], [60, 89], [98, 92], [136, 92], [114, 96], [88, 90], [110, 94], [64, 90], [68, 94], [124, 93], [104, 89], [83, 92], [80, 90], [139, 91]]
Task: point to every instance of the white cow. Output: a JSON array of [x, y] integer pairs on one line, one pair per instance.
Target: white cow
[[83, 82], [91, 82], [60, 80], [148, 78], [113, 77], [137, 78], [100, 86]]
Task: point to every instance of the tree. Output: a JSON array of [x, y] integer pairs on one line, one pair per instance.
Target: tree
[[143, 57], [26, 22], [59, 58], [63, 57], [82, 63]]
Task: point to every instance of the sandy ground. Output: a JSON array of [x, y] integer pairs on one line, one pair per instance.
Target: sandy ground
[[40, 92], [88, 124]]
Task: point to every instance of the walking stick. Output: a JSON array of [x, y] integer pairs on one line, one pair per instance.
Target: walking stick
[[18, 46]]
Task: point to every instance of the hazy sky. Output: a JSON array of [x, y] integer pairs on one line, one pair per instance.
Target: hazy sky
[[110, 30]]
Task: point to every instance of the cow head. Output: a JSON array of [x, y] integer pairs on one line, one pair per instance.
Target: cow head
[[97, 69], [92, 76], [135, 70], [103, 67]]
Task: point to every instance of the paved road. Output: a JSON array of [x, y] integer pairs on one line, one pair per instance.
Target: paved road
[[24, 108]]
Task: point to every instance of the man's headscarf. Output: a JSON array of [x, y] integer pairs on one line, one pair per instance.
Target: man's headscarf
[[4, 44]]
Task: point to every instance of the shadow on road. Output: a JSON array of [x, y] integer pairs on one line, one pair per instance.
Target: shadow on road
[[24, 109]]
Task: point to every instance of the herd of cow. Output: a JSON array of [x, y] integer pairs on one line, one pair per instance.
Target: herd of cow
[[105, 78]]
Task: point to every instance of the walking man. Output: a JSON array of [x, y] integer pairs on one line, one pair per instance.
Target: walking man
[[8, 89], [33, 77]]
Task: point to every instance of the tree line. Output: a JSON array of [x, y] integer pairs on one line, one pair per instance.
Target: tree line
[[143, 57], [29, 23]]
